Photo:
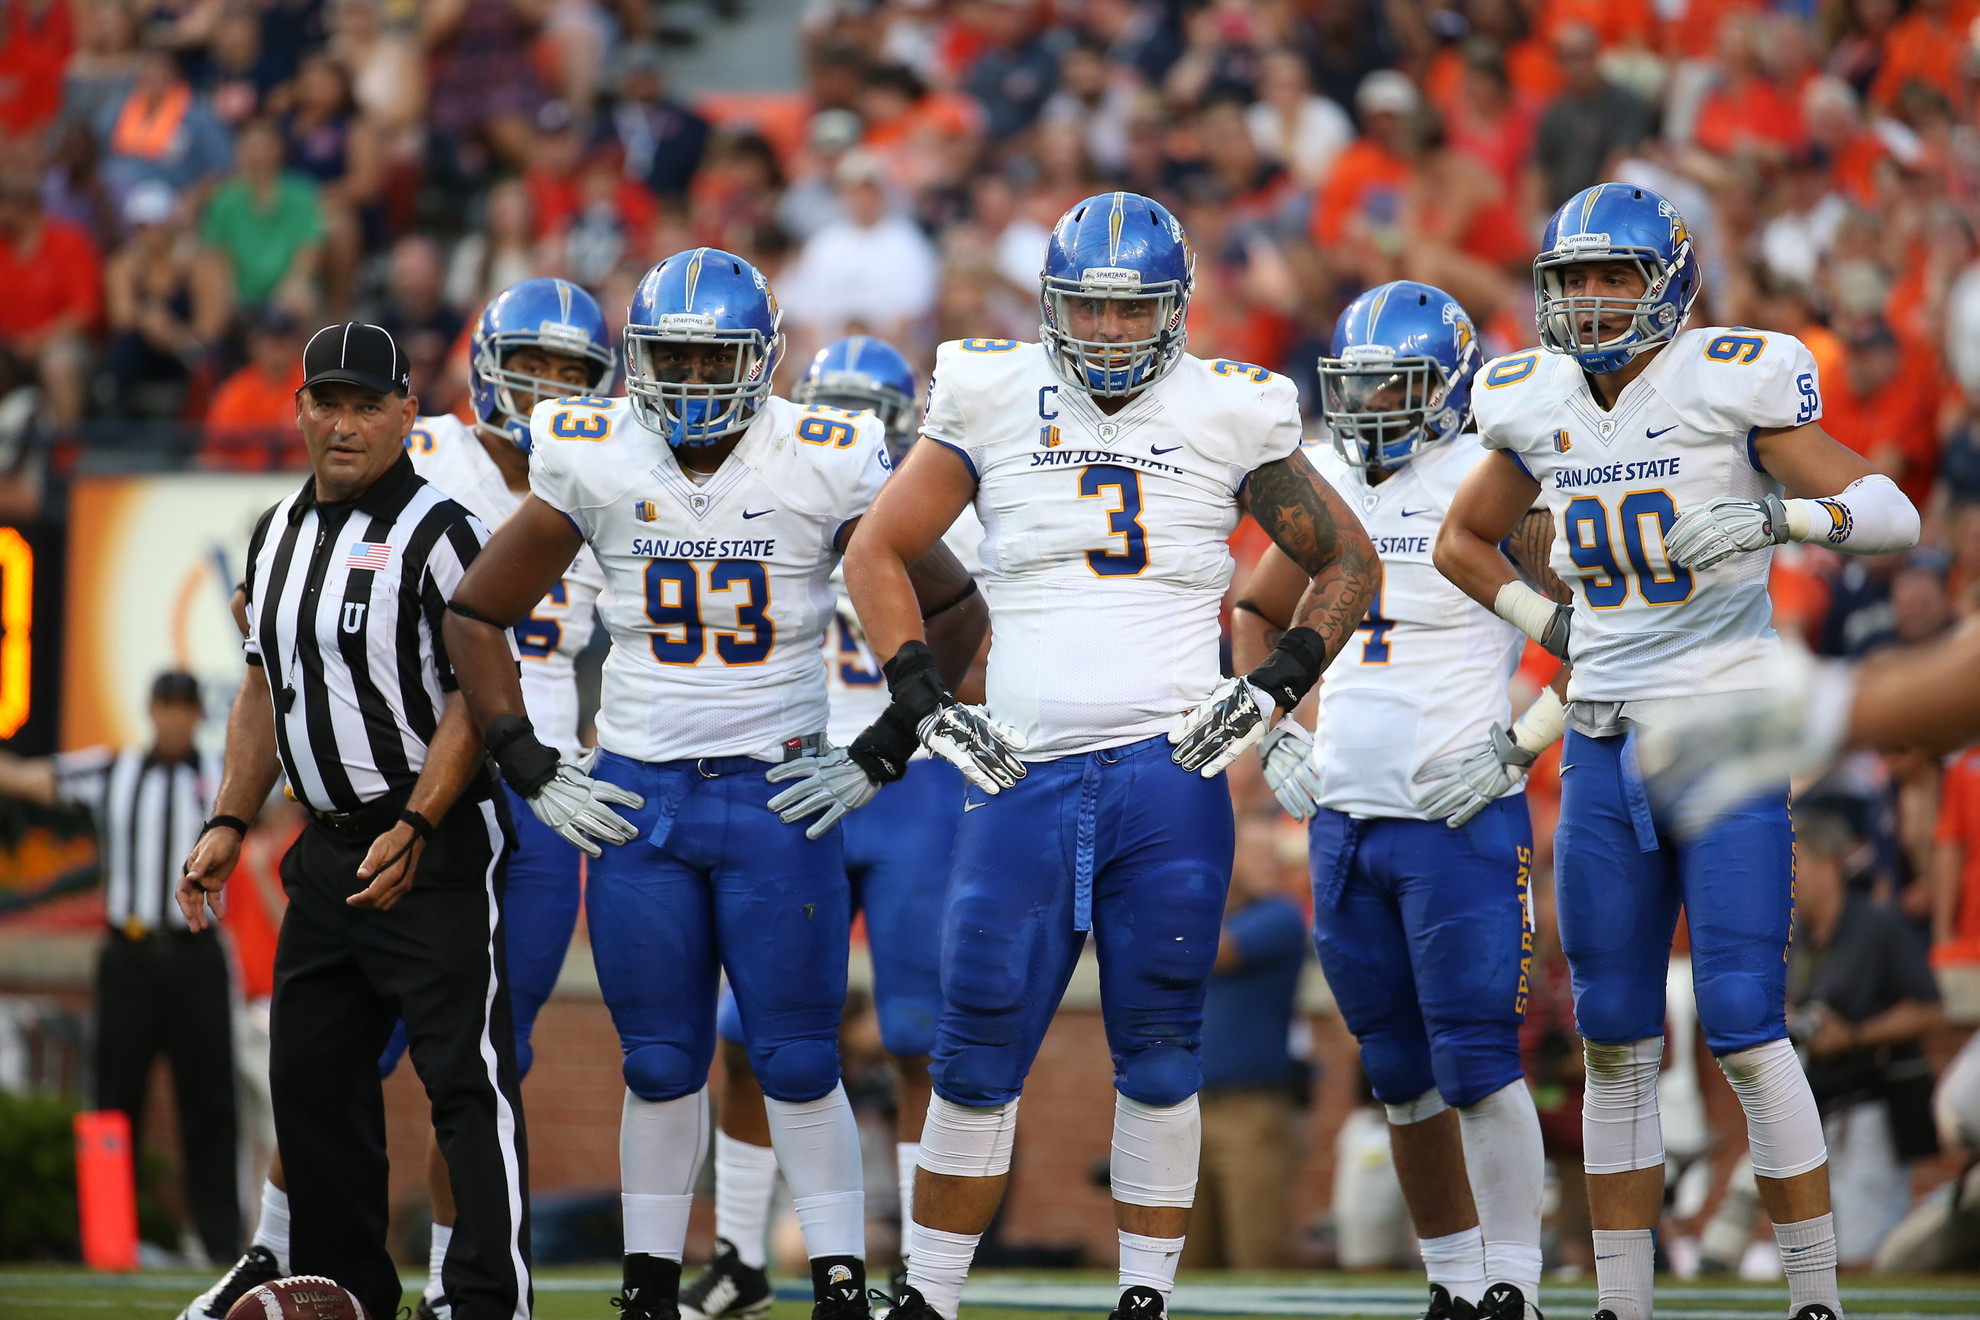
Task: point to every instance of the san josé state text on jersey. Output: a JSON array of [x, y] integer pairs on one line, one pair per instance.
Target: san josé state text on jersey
[[1105, 550], [719, 588], [1680, 435]]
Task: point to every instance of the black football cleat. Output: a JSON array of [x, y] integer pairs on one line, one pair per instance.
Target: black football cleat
[[1504, 1301], [1443, 1306], [839, 1285], [255, 1267], [1139, 1303], [651, 1290], [1817, 1311], [727, 1289], [909, 1304]]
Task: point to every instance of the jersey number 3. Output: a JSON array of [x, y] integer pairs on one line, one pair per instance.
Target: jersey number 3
[[1123, 521], [673, 603]]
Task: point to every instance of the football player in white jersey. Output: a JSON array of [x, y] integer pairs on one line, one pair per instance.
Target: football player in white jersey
[[1661, 453], [1108, 468], [1423, 930], [897, 858], [717, 513], [539, 339]]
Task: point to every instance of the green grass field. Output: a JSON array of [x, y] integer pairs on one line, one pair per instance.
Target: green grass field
[[64, 1293]]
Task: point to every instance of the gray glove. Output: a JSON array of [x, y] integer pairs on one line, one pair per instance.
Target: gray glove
[[968, 739], [1287, 753], [1723, 528], [1458, 787], [830, 782], [1210, 736], [579, 808]]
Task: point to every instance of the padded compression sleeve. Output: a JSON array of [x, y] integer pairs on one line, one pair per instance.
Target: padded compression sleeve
[[1870, 517]]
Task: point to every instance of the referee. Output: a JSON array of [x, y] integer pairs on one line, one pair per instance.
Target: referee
[[160, 986], [395, 886]]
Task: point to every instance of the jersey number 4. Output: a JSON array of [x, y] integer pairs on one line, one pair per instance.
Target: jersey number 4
[[673, 603], [1645, 516]]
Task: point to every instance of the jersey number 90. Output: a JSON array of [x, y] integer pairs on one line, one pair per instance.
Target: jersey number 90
[[1646, 516], [673, 603]]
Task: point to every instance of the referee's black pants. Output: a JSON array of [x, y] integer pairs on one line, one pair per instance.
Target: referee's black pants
[[343, 976], [170, 991]]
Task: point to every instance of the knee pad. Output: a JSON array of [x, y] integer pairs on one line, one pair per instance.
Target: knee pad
[[1425, 1106], [1398, 1066], [1782, 1125], [1157, 1149], [963, 1142], [799, 1071], [1620, 1130], [1161, 1076], [663, 1072], [979, 1076]]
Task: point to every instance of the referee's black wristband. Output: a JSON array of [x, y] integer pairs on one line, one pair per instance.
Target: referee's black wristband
[[526, 764], [234, 823], [915, 682], [1292, 668], [420, 824]]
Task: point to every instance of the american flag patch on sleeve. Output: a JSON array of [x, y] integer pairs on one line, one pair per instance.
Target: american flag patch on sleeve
[[373, 555]]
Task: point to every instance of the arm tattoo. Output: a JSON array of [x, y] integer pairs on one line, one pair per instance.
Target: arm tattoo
[[1532, 545], [1306, 518]]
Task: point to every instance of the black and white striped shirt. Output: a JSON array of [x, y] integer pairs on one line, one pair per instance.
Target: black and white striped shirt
[[345, 603], [148, 812]]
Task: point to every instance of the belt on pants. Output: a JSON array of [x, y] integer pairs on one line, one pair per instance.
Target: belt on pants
[[366, 822]]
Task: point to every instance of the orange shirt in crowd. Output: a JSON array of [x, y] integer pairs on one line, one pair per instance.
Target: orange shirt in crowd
[[1925, 48], [249, 400], [1530, 68], [1616, 22], [1693, 34], [1959, 825], [57, 272], [1367, 181], [1756, 109], [1902, 415]]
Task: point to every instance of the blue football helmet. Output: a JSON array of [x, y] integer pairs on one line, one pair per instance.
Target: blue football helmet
[[554, 315], [1115, 248], [1614, 222], [702, 296], [862, 374], [1399, 376]]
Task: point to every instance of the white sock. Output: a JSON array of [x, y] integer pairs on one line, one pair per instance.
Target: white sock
[[1808, 1254], [273, 1229], [906, 1155], [661, 1146], [817, 1144], [745, 1177], [436, 1255], [1149, 1262], [1624, 1262], [1502, 1152], [939, 1265], [1457, 1261]]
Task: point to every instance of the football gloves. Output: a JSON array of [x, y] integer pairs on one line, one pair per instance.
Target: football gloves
[[964, 736], [561, 793], [1287, 754], [1456, 788], [1238, 711], [831, 782], [1722, 528]]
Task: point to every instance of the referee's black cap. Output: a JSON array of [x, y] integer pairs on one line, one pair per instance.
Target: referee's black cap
[[175, 685], [361, 354]]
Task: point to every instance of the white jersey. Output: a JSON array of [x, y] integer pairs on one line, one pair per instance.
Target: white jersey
[[856, 687], [1426, 673], [1615, 480], [1104, 538], [718, 592], [447, 453]]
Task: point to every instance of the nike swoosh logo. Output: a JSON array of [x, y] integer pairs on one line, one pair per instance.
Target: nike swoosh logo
[[1564, 769], [1156, 449], [758, 514], [1411, 513], [1652, 435], [972, 806]]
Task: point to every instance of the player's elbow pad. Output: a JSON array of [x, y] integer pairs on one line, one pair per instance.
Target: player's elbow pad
[[1870, 517]]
